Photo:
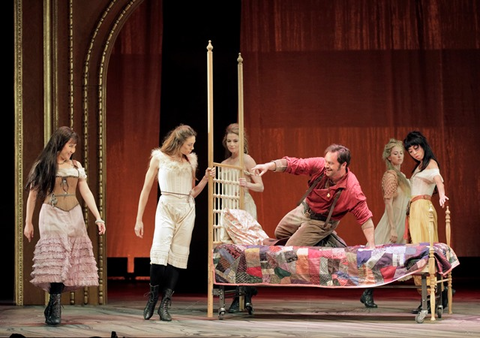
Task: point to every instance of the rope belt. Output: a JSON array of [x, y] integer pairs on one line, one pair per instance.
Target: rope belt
[[421, 197], [168, 193]]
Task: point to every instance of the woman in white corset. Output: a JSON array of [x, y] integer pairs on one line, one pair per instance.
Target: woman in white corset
[[425, 181], [63, 258], [174, 166], [231, 143]]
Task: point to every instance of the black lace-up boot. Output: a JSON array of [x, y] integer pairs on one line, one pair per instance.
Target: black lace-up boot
[[152, 301], [53, 311], [367, 299], [165, 305]]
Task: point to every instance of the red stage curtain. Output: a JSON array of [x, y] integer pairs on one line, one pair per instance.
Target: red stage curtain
[[358, 73], [133, 127]]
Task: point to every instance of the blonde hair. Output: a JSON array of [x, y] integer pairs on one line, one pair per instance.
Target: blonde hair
[[387, 151]]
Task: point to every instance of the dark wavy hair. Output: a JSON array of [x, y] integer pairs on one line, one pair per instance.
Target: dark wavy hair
[[42, 175], [416, 138]]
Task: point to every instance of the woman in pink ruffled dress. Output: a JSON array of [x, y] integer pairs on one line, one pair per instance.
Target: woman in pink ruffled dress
[[63, 257]]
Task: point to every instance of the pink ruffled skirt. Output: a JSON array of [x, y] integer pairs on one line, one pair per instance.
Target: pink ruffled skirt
[[64, 252]]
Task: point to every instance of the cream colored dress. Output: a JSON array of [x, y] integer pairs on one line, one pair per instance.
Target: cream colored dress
[[391, 189]]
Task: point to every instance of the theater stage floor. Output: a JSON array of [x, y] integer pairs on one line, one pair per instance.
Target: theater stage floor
[[279, 312]]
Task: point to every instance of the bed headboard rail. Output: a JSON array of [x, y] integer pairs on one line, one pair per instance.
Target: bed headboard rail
[[225, 195]]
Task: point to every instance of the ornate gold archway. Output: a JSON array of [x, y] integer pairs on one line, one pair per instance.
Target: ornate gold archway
[[71, 50]]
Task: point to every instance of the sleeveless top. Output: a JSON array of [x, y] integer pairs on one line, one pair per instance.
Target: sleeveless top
[[173, 176]]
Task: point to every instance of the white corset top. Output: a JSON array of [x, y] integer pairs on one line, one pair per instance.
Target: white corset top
[[173, 176]]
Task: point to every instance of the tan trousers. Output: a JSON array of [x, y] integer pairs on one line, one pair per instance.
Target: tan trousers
[[301, 230]]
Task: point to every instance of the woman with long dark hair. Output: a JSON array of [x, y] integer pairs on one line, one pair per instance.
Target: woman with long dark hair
[[63, 257], [425, 181]]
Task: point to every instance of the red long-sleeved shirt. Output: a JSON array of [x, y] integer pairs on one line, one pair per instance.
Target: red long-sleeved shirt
[[320, 199]]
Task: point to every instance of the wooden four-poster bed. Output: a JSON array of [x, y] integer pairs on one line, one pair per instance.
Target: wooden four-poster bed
[[251, 263]]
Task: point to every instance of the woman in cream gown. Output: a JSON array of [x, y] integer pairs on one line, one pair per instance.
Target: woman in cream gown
[[231, 142], [396, 194]]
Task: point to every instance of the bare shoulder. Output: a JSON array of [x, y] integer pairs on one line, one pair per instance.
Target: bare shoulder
[[249, 161], [155, 161], [432, 165], [77, 164]]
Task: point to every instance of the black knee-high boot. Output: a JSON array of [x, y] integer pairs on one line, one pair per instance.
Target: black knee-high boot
[[367, 298], [165, 305], [171, 277], [152, 301], [53, 311]]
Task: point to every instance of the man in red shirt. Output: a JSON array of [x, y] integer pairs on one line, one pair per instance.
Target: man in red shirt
[[334, 191]]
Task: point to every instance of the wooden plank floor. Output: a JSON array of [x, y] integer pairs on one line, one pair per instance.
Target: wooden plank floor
[[279, 312]]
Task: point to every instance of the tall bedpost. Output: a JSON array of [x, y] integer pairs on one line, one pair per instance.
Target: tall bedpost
[[210, 183], [448, 233], [431, 263], [241, 127]]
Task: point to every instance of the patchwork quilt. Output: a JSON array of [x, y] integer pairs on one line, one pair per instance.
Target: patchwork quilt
[[350, 267]]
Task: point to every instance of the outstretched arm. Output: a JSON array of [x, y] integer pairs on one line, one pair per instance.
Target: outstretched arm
[[439, 182], [441, 190], [276, 165]]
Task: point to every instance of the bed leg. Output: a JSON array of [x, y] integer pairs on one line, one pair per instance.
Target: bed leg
[[221, 300], [424, 293], [241, 298], [450, 293]]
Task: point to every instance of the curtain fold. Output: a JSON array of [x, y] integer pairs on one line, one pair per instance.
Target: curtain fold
[[133, 124], [358, 73]]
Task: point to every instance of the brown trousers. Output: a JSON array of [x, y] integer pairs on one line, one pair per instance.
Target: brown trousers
[[299, 230]]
